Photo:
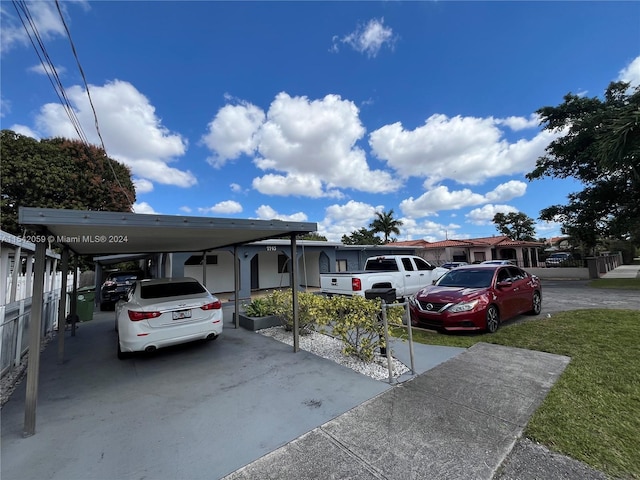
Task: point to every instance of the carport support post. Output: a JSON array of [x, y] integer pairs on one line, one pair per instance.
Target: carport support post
[[236, 286], [294, 293], [62, 305], [35, 327], [74, 297]]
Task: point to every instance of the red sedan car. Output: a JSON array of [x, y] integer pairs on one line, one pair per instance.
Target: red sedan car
[[476, 297]]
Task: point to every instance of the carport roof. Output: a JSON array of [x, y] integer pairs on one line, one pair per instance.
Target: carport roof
[[112, 233]]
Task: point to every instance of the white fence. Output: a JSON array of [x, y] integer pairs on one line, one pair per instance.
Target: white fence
[[15, 317]]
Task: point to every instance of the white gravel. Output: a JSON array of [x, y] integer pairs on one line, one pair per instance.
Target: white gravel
[[330, 348]]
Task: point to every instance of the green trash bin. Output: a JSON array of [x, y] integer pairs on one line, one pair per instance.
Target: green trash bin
[[85, 303]]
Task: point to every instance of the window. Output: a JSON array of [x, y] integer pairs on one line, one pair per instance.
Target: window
[[422, 264], [177, 289], [283, 264], [479, 256], [197, 260], [408, 266], [341, 265]]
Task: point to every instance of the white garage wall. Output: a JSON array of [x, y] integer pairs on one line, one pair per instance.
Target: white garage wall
[[219, 277], [269, 276]]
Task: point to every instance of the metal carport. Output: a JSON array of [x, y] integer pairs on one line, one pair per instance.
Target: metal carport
[[93, 233]]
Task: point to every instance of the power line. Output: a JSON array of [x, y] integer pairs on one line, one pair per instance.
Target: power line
[[93, 110], [49, 68], [32, 32]]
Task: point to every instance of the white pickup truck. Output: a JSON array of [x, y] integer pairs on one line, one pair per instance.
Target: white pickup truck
[[406, 273]]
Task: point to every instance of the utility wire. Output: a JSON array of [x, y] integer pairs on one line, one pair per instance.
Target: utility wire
[[32, 32], [47, 64], [93, 110]]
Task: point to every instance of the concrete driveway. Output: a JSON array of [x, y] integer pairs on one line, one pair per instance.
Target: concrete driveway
[[245, 406], [201, 410]]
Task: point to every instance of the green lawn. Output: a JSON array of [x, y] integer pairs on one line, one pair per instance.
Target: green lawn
[[593, 412], [624, 283]]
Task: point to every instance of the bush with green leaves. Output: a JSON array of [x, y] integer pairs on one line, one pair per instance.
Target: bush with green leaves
[[260, 307], [311, 310], [356, 322]]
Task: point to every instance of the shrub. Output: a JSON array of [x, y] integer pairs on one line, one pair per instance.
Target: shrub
[[260, 307], [311, 310], [357, 324]]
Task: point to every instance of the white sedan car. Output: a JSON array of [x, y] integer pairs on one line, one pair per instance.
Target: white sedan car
[[166, 311]]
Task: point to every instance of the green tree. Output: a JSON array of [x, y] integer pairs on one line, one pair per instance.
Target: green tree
[[385, 223], [315, 236], [516, 226], [361, 237], [59, 173], [599, 145]]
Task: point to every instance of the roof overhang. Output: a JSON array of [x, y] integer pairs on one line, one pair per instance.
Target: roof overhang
[[117, 233]]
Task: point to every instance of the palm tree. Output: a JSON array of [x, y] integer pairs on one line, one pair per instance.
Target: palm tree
[[385, 223]]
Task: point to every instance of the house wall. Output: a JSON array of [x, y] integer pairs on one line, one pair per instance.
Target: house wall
[[219, 277]]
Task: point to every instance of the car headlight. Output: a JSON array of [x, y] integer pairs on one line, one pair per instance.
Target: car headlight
[[463, 306]]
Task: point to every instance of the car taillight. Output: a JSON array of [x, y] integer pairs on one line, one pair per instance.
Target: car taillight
[[356, 284], [137, 316], [212, 306]]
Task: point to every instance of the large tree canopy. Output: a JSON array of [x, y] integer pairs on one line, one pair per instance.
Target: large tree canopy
[[516, 226], [599, 146], [59, 173]]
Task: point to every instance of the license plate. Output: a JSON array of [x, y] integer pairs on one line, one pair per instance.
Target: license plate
[[181, 314]]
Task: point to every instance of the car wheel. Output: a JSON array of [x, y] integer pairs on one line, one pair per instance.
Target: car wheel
[[103, 307], [493, 319], [122, 355], [537, 304]]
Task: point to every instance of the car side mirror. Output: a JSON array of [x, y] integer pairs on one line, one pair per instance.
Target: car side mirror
[[505, 284]]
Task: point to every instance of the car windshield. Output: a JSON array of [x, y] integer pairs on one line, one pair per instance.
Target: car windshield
[[466, 278], [173, 289], [124, 277]]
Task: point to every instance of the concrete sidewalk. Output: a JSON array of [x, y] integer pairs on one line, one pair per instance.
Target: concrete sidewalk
[[459, 420], [624, 271]]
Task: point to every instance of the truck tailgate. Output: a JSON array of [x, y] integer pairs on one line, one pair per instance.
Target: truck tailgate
[[338, 283]]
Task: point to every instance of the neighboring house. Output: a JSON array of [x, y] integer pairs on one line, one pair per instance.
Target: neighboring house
[[477, 250], [262, 265], [267, 264], [558, 244]]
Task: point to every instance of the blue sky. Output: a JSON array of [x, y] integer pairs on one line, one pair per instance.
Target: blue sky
[[323, 111]]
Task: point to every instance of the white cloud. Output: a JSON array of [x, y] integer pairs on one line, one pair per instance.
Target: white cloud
[[308, 146], [520, 123], [143, 207], [468, 150], [484, 215], [185, 209], [265, 212], [26, 131], [44, 16], [441, 198], [507, 191], [142, 185], [631, 73], [233, 132], [368, 38], [343, 219], [132, 132], [426, 230], [41, 70], [226, 207], [235, 188]]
